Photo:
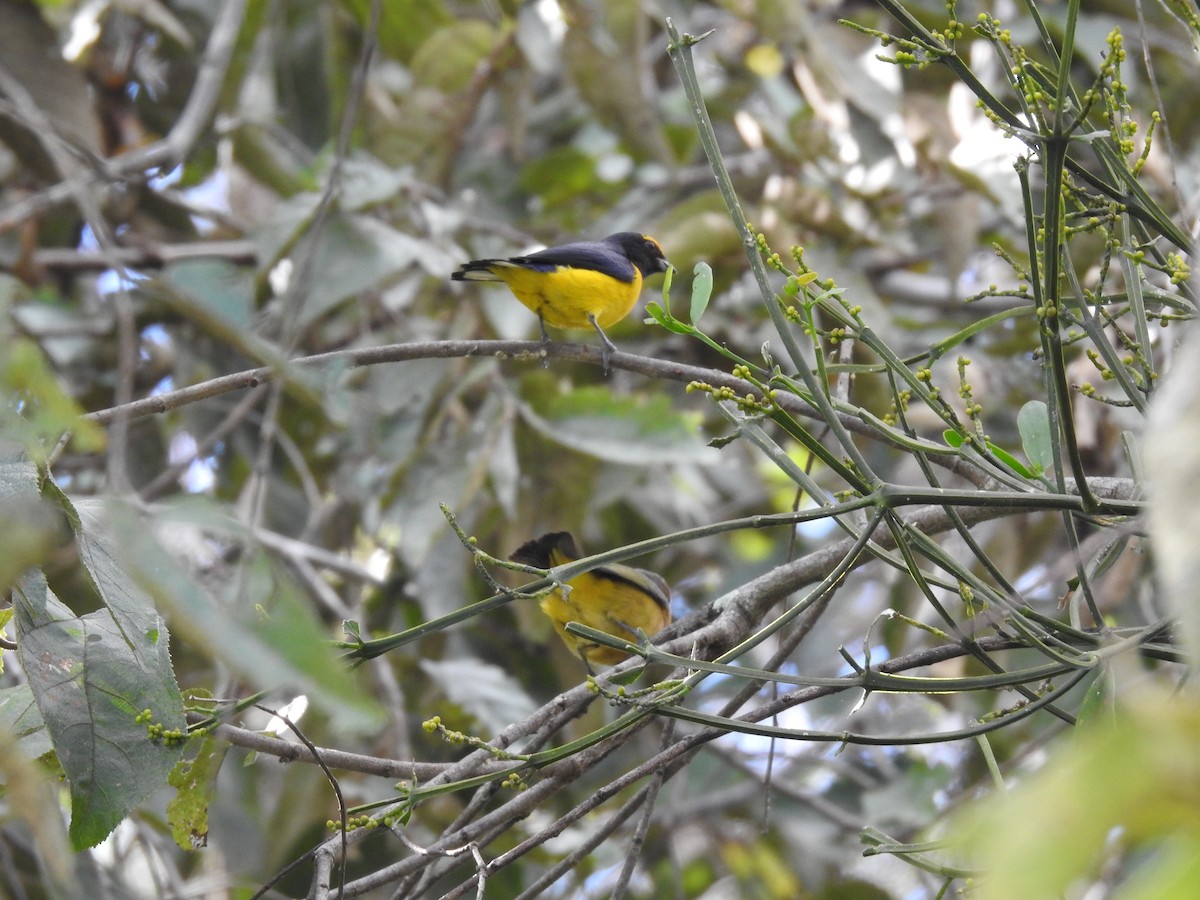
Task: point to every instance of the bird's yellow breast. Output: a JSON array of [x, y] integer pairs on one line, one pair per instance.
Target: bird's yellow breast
[[566, 297], [608, 605]]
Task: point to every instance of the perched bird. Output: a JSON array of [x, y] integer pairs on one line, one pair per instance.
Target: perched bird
[[617, 599], [579, 285]]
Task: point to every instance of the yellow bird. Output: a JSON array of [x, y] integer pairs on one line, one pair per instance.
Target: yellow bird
[[586, 284], [613, 598]]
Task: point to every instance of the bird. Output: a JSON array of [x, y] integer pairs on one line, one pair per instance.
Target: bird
[[583, 284], [613, 598]]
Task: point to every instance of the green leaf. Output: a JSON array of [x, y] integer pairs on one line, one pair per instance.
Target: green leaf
[[356, 253], [702, 285], [630, 429], [1144, 756], [288, 222], [131, 607], [368, 182], [451, 471], [218, 297], [1033, 422], [46, 412], [956, 440], [407, 24], [1097, 701], [559, 175], [195, 782], [449, 58], [20, 719], [91, 679], [662, 315], [486, 692], [217, 288], [31, 527], [267, 633], [666, 320], [1009, 460], [504, 467]]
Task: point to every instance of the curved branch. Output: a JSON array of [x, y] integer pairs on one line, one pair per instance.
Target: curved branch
[[648, 366]]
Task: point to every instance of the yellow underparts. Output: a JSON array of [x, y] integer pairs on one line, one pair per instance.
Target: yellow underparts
[[566, 297], [608, 605]]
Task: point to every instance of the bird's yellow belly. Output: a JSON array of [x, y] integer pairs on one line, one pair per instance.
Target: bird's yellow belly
[[612, 607], [565, 298]]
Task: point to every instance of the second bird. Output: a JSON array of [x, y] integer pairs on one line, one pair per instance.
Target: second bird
[[613, 598], [586, 284]]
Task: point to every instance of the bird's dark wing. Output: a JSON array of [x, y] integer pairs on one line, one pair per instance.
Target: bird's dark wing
[[592, 255]]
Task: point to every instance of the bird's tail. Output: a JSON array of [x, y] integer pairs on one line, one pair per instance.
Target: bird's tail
[[480, 270]]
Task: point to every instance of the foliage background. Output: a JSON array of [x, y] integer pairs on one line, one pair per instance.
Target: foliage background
[[175, 208]]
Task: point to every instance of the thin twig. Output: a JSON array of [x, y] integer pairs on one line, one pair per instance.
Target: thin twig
[[148, 256], [634, 853], [329, 776]]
